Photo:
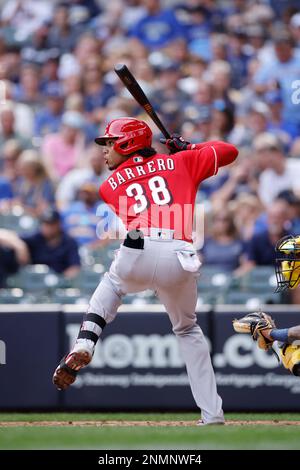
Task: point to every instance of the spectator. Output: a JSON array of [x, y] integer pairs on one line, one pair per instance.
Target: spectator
[[53, 247], [219, 74], [158, 27], [295, 28], [48, 119], [23, 114], [85, 220], [275, 123], [49, 72], [223, 247], [197, 28], [238, 58], [295, 149], [28, 90], [256, 37], [281, 72], [255, 122], [97, 93], [10, 156], [63, 151], [168, 98], [240, 179], [83, 9], [36, 51], [35, 191], [222, 120], [278, 173], [62, 35], [134, 11], [95, 173], [6, 192], [87, 46], [26, 16], [13, 254], [198, 122], [260, 249], [246, 209], [219, 47], [8, 130], [292, 213]]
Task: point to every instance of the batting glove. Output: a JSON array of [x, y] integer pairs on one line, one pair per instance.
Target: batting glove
[[175, 144]]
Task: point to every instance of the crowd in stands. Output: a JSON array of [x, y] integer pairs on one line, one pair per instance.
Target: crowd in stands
[[214, 70]]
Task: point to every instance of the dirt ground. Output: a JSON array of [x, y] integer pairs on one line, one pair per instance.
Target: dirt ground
[[121, 423]]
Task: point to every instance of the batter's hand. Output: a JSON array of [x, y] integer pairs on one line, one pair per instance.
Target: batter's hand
[[176, 143]]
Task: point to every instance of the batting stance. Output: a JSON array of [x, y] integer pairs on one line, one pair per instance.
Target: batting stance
[[154, 195], [261, 326]]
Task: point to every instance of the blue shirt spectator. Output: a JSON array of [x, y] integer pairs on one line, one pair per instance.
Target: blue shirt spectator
[[32, 195], [283, 70], [48, 119], [53, 247], [88, 219], [223, 247], [35, 190], [238, 59], [46, 122], [197, 29], [261, 250], [6, 191], [158, 28], [63, 35], [225, 255], [99, 99]]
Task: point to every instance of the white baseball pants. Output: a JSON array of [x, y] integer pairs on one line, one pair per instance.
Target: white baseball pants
[[158, 267]]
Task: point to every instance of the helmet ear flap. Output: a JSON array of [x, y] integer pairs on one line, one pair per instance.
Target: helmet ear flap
[[127, 144]]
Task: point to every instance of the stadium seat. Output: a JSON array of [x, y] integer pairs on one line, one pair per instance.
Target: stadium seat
[[249, 299], [37, 277], [11, 296], [22, 224], [69, 296], [102, 256], [88, 278], [213, 277], [205, 298], [260, 279]]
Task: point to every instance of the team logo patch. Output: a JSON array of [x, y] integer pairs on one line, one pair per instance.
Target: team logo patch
[[138, 159]]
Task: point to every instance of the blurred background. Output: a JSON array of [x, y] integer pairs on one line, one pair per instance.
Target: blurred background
[[227, 70]]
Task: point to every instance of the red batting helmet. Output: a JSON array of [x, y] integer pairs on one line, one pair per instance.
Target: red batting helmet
[[130, 134]]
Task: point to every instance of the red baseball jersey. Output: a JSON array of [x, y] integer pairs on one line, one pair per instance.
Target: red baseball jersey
[[160, 191]]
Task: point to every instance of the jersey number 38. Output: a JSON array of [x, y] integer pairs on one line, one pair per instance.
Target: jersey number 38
[[159, 193]]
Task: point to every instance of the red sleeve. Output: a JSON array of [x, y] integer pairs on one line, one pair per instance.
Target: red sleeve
[[203, 160], [102, 191]]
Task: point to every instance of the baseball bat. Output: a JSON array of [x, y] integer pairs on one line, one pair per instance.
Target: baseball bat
[[136, 91]]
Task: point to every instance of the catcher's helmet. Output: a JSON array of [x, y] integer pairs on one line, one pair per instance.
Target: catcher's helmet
[[130, 134], [288, 263]]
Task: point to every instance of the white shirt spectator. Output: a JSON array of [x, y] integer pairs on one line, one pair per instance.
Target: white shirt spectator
[[26, 16], [70, 184], [272, 183]]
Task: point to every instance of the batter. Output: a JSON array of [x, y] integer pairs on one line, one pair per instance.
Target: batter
[[154, 195]]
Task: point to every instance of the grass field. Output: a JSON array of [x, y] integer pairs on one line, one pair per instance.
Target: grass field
[[151, 431]]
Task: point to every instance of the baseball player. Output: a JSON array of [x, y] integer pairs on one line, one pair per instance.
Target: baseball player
[[261, 326], [154, 195]]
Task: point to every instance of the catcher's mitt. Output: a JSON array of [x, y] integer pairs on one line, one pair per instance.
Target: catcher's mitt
[[254, 324]]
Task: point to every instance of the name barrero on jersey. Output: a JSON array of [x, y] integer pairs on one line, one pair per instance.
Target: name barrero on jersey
[[152, 166]]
